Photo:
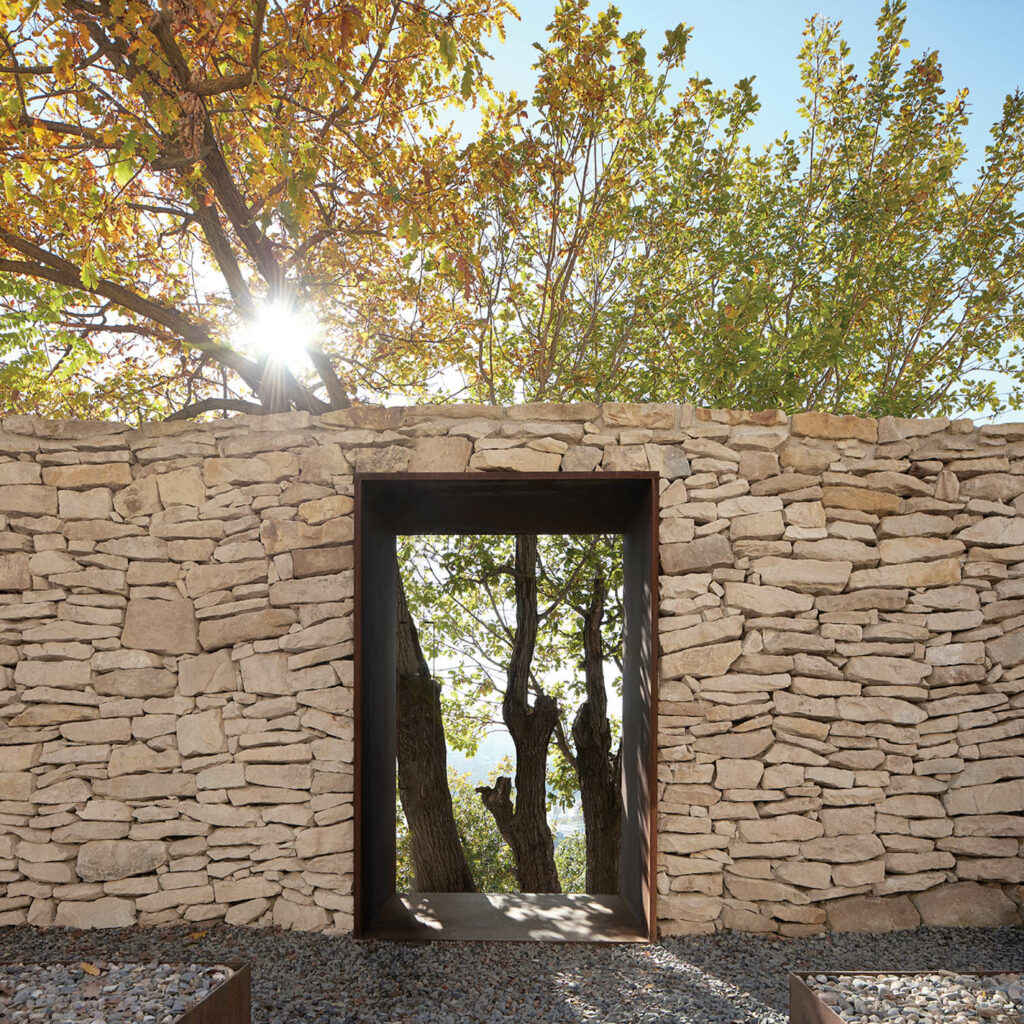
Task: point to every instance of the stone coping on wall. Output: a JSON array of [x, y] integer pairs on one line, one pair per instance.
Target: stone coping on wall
[[841, 716]]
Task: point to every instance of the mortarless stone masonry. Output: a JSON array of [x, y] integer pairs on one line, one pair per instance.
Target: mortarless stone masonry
[[842, 675]]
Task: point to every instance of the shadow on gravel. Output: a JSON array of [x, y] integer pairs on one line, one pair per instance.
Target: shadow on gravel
[[728, 978]]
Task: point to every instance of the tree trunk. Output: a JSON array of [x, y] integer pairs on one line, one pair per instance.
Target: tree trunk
[[439, 861], [525, 826], [597, 767]]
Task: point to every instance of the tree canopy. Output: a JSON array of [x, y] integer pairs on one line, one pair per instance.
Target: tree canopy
[[169, 172]]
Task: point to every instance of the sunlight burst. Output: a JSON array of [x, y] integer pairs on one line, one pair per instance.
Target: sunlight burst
[[282, 333]]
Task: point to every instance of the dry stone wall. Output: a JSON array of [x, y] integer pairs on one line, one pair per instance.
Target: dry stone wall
[[841, 717]]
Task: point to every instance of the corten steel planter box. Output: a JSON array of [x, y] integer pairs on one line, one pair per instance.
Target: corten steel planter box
[[230, 1002], [805, 1007]]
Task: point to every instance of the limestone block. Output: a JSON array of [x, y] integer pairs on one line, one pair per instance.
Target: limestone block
[[164, 627], [106, 912], [28, 499], [782, 828], [91, 474], [206, 673], [141, 498], [838, 549], [265, 674], [826, 425], [237, 629], [321, 464], [748, 505], [96, 503], [205, 579], [519, 460], [872, 914], [287, 776], [135, 682], [138, 757], [246, 913], [737, 745], [19, 473], [994, 531], [70, 675], [847, 821], [996, 798], [299, 917], [698, 555], [759, 526], [72, 791], [312, 590], [582, 459], [713, 660], [181, 487], [624, 458], [709, 632], [808, 874], [280, 535], [918, 549], [150, 786], [909, 574], [201, 733], [240, 890], [319, 510], [108, 859], [734, 773], [844, 849], [880, 709], [391, 459], [668, 461], [916, 524], [260, 469], [1007, 650], [966, 905], [766, 600], [629, 414], [811, 576], [882, 670], [861, 499]]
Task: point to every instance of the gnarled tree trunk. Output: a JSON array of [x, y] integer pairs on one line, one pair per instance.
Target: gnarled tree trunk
[[525, 825], [597, 767], [438, 859]]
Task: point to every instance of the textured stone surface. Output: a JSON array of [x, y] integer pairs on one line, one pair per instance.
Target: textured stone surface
[[840, 642], [106, 860], [164, 627]]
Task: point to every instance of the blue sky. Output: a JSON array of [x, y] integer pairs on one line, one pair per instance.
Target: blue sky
[[980, 44]]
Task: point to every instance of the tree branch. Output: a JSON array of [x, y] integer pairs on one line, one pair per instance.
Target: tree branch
[[216, 405]]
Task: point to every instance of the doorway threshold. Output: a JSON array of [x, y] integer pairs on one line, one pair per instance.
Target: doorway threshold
[[506, 917]]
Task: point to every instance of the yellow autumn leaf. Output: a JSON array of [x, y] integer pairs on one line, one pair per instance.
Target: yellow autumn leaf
[[90, 969]]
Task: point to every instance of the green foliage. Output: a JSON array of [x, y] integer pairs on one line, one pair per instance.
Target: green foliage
[[460, 591], [632, 247], [489, 858], [571, 861]]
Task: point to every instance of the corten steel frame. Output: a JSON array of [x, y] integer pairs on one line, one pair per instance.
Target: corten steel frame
[[388, 505]]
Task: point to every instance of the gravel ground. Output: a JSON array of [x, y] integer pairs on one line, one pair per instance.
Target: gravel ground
[[729, 978]]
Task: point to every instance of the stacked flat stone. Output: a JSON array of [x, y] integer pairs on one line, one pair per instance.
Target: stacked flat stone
[[944, 997], [104, 992], [841, 713]]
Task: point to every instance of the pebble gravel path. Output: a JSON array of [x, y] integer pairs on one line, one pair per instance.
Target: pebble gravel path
[[102, 992], [727, 978], [942, 997]]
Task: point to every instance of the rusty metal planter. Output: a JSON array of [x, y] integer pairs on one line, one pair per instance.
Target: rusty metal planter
[[230, 1002], [805, 1007]]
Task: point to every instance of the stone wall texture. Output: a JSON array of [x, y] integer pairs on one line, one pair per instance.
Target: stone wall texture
[[841, 716]]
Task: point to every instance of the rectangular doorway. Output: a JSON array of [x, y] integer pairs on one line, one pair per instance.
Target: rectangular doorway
[[389, 505]]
